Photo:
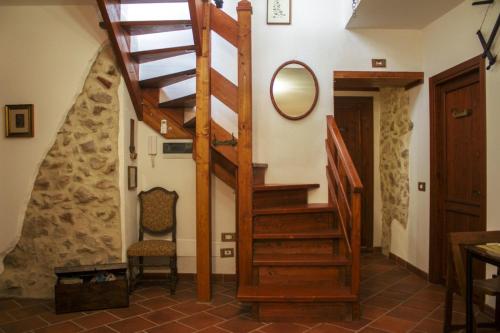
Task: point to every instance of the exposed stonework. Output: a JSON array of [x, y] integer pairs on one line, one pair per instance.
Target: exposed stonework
[[395, 129], [73, 215]]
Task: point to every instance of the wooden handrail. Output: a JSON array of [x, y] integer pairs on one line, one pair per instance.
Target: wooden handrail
[[203, 161], [207, 18], [345, 197], [196, 8], [224, 25], [245, 169], [352, 174]]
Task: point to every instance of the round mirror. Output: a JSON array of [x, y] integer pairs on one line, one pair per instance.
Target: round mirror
[[294, 90]]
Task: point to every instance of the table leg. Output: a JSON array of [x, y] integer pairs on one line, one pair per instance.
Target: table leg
[[468, 297]]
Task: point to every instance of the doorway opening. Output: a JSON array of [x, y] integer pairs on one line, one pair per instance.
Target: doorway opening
[[354, 116], [458, 158], [360, 99]]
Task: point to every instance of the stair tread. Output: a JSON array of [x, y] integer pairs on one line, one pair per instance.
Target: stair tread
[[187, 101], [300, 260], [157, 54], [150, 27], [260, 165], [165, 80], [283, 293], [297, 235], [301, 209], [283, 187]]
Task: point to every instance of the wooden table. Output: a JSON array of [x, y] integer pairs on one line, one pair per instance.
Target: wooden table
[[478, 253]]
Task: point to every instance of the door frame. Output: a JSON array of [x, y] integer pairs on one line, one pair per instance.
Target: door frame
[[436, 235], [371, 195]]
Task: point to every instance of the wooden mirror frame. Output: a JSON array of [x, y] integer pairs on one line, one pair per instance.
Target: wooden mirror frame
[[316, 86]]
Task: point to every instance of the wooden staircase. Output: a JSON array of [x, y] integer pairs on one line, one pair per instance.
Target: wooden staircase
[[295, 260]]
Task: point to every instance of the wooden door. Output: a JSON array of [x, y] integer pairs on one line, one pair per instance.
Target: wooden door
[[458, 185], [354, 116]]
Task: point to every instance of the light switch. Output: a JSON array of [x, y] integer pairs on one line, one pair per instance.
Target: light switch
[[421, 186]]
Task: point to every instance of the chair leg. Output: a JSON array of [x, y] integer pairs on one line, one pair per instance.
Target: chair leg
[[497, 313], [448, 309], [173, 274], [141, 266], [131, 274]]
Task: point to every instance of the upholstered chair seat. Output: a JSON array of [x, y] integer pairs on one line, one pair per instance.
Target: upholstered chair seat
[[158, 218], [152, 248]]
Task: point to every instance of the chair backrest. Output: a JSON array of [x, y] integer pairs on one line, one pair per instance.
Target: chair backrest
[[158, 212], [458, 241]]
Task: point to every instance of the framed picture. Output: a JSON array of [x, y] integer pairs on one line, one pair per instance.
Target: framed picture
[[132, 177], [19, 121], [279, 11]]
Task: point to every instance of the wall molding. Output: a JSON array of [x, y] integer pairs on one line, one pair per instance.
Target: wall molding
[[403, 263]]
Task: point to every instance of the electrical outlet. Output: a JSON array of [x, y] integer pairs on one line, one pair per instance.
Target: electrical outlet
[[227, 253], [421, 186], [228, 237], [379, 63]]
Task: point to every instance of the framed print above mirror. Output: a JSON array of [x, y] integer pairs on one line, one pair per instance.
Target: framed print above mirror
[[279, 11]]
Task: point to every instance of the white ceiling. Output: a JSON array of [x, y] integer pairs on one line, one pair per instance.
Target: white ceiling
[[399, 14]]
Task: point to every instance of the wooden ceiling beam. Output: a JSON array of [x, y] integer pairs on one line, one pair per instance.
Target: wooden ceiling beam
[[373, 81]]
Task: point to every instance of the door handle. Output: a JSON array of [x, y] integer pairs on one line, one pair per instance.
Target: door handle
[[476, 193]]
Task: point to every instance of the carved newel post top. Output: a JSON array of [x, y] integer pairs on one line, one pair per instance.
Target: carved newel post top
[[244, 5]]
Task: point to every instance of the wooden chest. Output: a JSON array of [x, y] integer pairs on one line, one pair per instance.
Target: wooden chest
[[88, 288]]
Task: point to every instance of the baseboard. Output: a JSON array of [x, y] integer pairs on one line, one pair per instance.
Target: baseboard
[[215, 277], [375, 249], [403, 263]]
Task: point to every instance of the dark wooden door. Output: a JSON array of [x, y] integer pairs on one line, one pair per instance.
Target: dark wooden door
[[459, 186], [354, 116]]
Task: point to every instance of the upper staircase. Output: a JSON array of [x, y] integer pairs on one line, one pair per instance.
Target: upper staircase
[[295, 260]]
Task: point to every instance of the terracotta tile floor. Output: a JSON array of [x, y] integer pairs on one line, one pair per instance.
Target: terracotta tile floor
[[393, 300]]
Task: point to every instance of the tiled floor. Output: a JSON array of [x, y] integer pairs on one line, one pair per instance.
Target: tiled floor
[[393, 300]]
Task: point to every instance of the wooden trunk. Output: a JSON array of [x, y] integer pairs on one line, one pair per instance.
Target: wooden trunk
[[89, 295]]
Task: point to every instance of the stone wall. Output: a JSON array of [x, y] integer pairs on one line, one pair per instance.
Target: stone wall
[[395, 129], [73, 215]]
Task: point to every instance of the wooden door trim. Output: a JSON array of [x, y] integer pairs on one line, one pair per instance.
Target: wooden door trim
[[371, 166], [476, 64]]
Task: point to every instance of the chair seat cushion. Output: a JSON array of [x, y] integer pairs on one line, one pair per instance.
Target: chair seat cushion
[[152, 248]]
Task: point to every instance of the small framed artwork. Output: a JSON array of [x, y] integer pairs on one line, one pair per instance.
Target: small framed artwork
[[132, 177], [19, 121], [279, 11]]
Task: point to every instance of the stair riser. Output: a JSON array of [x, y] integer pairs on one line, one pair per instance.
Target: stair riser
[[322, 246], [302, 312], [329, 277], [259, 176], [308, 222], [281, 198]]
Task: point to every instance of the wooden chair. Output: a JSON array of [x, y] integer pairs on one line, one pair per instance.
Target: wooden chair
[[456, 275], [158, 218]]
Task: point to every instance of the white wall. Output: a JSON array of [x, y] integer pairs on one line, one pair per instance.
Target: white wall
[[51, 46], [179, 175], [447, 42], [48, 51], [295, 150], [128, 198]]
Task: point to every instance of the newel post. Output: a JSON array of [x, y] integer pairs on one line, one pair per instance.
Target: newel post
[[203, 164], [245, 172]]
